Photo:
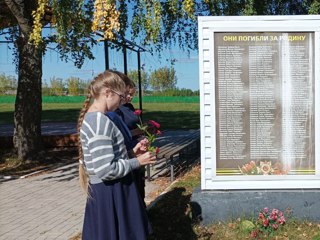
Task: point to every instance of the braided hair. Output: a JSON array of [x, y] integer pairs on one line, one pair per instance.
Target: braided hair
[[107, 79]]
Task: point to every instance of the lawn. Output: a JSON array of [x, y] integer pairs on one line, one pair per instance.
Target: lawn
[[171, 115]]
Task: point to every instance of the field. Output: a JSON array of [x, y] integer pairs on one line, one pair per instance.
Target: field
[[170, 112]]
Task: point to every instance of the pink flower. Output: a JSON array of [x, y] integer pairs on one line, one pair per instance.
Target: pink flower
[[144, 141], [275, 226], [261, 216], [265, 209], [144, 144], [154, 123], [137, 112], [273, 217], [254, 234]]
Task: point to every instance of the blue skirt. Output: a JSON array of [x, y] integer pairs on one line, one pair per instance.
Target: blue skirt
[[115, 211]]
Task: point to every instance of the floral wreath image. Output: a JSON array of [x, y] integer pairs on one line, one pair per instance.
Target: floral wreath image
[[263, 168]]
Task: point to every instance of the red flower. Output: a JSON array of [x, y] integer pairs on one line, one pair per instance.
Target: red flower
[[154, 123], [157, 150], [150, 131], [137, 112], [266, 222], [282, 220]]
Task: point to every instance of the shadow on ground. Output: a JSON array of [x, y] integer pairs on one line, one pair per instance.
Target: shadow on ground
[[67, 173], [50, 160], [170, 217]]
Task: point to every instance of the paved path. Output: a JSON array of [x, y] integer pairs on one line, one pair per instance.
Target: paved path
[[51, 205], [47, 128], [47, 206]]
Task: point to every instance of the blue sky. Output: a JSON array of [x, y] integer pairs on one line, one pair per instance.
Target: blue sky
[[186, 66]]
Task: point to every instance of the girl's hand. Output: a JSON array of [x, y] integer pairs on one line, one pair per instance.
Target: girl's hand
[[141, 147], [146, 158]]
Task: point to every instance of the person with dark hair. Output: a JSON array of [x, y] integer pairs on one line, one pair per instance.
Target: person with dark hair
[[126, 112]]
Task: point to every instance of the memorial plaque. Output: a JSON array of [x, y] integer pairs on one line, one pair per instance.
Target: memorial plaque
[[264, 103], [259, 102]]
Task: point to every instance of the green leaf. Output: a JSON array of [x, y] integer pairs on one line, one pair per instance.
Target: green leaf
[[247, 226]]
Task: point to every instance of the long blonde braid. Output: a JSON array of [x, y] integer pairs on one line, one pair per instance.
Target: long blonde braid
[[83, 177], [106, 79]]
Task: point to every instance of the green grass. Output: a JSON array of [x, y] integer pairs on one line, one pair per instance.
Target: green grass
[[169, 115]]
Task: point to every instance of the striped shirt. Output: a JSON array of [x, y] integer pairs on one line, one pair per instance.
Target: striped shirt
[[104, 152]]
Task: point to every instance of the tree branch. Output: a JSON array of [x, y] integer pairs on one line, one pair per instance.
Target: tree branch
[[16, 10], [6, 17]]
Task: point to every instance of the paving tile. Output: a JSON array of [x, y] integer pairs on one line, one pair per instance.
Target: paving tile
[[48, 206], [44, 206]]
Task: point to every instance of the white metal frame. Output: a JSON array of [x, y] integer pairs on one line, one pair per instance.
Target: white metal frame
[[207, 27]]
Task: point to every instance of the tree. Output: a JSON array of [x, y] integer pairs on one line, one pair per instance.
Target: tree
[[153, 23], [73, 86], [7, 83], [133, 75], [45, 89], [21, 21], [56, 86], [83, 85], [163, 78]]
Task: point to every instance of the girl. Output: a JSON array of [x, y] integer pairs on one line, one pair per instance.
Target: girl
[[114, 209]]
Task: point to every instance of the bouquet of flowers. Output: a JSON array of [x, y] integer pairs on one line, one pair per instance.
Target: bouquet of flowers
[[268, 221], [151, 130]]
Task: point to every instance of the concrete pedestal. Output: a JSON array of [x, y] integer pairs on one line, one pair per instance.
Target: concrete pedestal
[[213, 206]]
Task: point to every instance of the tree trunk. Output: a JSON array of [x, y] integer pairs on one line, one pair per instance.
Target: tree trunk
[[28, 105]]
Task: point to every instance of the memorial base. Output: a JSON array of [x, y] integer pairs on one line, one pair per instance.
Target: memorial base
[[213, 206]]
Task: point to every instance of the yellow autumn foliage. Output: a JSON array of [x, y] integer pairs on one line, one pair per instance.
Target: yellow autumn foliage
[[106, 18], [35, 36]]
